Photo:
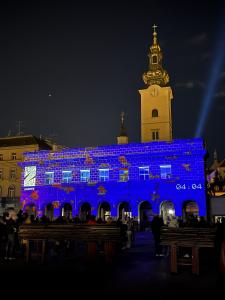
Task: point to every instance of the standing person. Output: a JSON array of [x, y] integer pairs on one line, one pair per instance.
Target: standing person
[[156, 225], [11, 230]]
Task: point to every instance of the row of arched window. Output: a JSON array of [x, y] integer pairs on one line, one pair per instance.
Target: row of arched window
[[11, 191]]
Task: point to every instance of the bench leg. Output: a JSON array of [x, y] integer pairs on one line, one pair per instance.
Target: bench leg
[[173, 259], [195, 260], [109, 250], [43, 251], [27, 250], [92, 250]]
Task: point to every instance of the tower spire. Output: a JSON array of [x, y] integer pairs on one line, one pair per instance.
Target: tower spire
[[122, 138], [155, 74]]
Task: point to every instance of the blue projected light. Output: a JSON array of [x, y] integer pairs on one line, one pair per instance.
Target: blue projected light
[[117, 179], [218, 60]]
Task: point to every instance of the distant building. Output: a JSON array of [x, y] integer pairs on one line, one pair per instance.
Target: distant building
[[157, 176], [11, 153], [216, 189]]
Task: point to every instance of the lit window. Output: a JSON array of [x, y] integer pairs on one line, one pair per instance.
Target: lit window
[[1, 156], [155, 113], [66, 176], [13, 156], [165, 171], [11, 191], [124, 175], [143, 173], [155, 135], [49, 177], [12, 174], [84, 175], [103, 174]]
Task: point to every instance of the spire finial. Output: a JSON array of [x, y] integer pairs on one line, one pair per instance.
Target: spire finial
[[154, 34], [154, 27]]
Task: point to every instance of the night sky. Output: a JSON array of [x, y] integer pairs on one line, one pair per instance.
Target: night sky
[[67, 70]]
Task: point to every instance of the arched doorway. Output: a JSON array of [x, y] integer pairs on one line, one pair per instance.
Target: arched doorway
[[31, 209], [167, 211], [85, 211], [145, 214], [49, 211], [67, 211], [124, 210], [104, 211], [190, 210]]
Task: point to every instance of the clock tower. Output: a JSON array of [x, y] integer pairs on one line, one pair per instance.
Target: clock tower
[[156, 119]]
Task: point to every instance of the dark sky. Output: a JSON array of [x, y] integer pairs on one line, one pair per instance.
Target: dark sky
[[69, 69]]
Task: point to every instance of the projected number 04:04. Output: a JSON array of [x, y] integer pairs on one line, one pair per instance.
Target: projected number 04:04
[[184, 186]]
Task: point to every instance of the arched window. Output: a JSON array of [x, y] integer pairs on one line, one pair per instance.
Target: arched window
[[154, 59], [11, 191], [155, 113]]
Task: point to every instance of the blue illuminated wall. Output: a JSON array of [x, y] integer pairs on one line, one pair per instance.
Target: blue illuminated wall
[[185, 183]]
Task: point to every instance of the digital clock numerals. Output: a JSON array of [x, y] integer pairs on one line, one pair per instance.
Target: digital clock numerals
[[194, 186]]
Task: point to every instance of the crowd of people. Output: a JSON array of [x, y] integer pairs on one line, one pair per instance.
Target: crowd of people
[[11, 221]]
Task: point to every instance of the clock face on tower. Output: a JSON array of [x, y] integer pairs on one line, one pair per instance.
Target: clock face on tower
[[30, 176], [154, 92]]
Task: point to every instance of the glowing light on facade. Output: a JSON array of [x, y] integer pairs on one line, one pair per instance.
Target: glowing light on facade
[[120, 175]]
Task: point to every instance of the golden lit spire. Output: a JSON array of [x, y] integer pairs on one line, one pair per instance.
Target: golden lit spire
[[122, 125], [156, 74]]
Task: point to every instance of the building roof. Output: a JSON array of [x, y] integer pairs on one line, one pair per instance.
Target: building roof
[[24, 141]]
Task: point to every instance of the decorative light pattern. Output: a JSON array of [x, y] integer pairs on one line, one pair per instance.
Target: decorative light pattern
[[184, 160]]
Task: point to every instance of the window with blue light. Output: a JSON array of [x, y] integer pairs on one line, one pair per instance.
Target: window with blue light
[[103, 174], [49, 177], [123, 174], [143, 173], [84, 175], [67, 176], [165, 171]]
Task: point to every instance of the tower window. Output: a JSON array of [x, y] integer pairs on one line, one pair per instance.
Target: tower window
[[155, 113], [155, 135], [1, 156], [154, 59]]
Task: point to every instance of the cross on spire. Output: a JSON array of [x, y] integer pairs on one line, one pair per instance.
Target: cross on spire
[[154, 27]]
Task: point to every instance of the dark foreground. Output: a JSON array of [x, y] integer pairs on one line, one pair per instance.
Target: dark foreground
[[135, 273]]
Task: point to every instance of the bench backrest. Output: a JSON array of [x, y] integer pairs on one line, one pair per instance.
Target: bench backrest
[[85, 232], [203, 237]]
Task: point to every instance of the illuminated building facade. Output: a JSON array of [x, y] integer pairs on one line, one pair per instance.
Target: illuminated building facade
[[118, 180]]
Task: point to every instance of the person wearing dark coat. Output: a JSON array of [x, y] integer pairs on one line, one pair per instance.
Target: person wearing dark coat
[[156, 225]]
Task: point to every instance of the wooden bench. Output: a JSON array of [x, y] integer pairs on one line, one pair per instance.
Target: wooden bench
[[187, 237], [107, 235]]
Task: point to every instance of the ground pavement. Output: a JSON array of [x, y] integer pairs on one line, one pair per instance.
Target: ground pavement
[[136, 272]]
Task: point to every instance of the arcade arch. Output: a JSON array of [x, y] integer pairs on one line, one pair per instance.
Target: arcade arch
[[85, 211], [104, 211], [167, 211]]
